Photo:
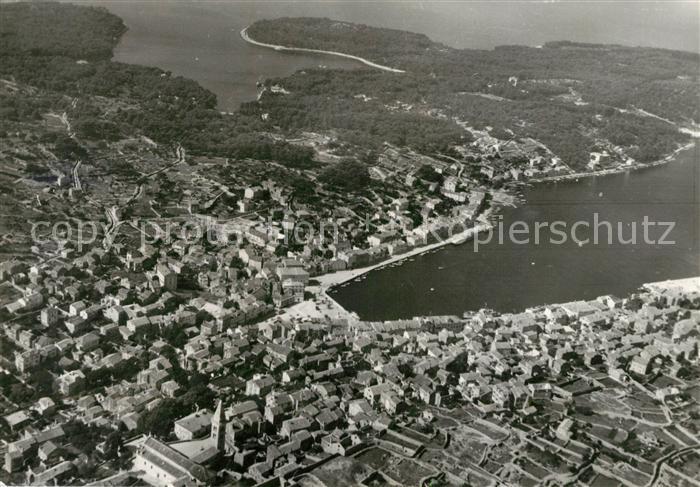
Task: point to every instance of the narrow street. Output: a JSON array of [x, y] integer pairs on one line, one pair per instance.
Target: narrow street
[[661, 461]]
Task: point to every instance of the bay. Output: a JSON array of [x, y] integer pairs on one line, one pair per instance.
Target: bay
[[200, 40], [513, 276]]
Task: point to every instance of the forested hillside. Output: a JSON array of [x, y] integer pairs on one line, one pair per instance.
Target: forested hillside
[[572, 97], [612, 74], [64, 52]]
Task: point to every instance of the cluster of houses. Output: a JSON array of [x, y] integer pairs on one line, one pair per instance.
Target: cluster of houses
[[296, 393], [118, 330]]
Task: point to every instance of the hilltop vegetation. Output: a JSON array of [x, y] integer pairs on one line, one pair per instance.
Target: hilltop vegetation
[[610, 74], [63, 51], [572, 97], [52, 29], [378, 45]]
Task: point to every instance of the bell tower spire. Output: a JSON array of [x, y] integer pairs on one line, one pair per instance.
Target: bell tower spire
[[218, 427]]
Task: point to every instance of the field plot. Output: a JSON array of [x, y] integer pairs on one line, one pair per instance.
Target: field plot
[[546, 459], [341, 471], [688, 464], [467, 443], [401, 470]]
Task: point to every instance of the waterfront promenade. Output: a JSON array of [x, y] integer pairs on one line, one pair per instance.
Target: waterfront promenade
[[327, 281]]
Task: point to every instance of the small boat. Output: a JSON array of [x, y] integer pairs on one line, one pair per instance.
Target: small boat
[[432, 289], [441, 268]]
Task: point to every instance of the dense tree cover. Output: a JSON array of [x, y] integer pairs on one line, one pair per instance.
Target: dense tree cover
[[65, 50], [113, 444], [570, 131], [84, 437], [52, 29], [107, 376], [649, 139], [346, 176], [13, 389], [42, 382], [325, 100], [64, 146], [146, 84], [429, 173], [159, 421], [606, 71], [528, 89], [20, 108], [378, 45], [44, 45], [96, 129]]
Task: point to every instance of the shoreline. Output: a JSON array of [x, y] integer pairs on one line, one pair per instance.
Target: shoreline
[[328, 281], [616, 170], [687, 284], [332, 279], [276, 47]]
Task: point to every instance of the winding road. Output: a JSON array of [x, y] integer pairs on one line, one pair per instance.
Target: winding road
[[179, 153], [113, 216], [76, 176], [661, 461]]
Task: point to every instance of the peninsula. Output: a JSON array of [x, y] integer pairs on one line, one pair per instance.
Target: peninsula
[[164, 266], [246, 37]]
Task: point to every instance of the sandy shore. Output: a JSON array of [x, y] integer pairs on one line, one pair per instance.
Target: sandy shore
[[246, 37]]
